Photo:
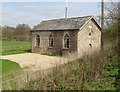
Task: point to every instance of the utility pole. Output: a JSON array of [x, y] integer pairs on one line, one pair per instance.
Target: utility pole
[[102, 21], [66, 9]]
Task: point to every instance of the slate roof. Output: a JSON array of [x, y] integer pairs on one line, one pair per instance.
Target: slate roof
[[63, 24]]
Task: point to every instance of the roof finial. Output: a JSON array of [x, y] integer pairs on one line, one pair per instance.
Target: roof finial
[[66, 9]]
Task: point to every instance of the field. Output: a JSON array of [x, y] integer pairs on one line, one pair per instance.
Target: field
[[14, 47], [8, 66]]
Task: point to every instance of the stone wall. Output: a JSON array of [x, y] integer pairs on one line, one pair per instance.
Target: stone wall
[[57, 44], [84, 39]]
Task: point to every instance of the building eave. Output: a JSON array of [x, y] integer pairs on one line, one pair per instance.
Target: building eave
[[37, 30]]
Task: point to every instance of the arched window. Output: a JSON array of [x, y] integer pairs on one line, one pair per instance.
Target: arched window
[[51, 41], [38, 40], [66, 41]]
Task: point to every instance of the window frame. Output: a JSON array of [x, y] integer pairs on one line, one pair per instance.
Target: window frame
[[66, 39], [37, 40], [51, 41]]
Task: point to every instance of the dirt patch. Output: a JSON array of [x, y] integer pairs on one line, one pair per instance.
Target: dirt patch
[[36, 60]]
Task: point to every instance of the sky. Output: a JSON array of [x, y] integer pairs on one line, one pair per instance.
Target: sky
[[32, 13]]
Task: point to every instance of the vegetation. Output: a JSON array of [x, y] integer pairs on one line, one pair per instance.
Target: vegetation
[[97, 72], [14, 47], [101, 71], [89, 73], [10, 52], [8, 66], [20, 33], [9, 70]]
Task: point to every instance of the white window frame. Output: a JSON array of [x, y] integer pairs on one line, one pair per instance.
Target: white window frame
[[65, 39]]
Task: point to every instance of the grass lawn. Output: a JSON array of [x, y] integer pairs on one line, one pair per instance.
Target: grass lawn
[[9, 71], [14, 47], [14, 52], [8, 66]]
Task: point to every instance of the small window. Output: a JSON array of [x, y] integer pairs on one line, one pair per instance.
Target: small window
[[66, 41], [38, 41], [51, 41], [89, 34], [90, 45]]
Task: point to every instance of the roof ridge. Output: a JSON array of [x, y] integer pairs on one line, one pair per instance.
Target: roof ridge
[[66, 18]]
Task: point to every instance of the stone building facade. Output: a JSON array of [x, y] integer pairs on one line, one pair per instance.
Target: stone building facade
[[68, 36]]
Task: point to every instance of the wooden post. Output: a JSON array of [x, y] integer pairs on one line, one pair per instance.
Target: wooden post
[[102, 22]]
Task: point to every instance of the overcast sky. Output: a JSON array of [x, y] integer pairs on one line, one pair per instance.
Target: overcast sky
[[13, 12]]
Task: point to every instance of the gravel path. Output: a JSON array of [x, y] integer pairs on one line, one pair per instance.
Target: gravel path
[[36, 60]]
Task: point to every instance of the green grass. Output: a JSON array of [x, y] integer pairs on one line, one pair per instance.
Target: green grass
[[14, 47], [110, 73], [8, 66], [10, 52], [9, 70]]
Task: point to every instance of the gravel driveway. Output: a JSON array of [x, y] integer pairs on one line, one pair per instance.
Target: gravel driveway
[[36, 60]]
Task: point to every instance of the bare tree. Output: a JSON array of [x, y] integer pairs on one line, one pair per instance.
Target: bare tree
[[7, 32], [22, 32]]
